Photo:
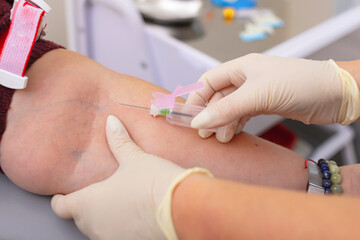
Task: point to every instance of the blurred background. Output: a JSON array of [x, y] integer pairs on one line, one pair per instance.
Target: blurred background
[[56, 29]]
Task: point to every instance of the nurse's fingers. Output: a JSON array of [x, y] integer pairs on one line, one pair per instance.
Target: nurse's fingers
[[241, 124], [216, 97], [226, 133], [216, 79], [120, 143]]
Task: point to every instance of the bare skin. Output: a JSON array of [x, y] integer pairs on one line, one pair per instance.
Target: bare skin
[[353, 67], [209, 208], [55, 136]]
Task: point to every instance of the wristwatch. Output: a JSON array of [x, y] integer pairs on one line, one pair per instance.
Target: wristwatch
[[315, 179]]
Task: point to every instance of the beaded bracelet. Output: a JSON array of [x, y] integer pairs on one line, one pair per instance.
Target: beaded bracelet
[[331, 176]]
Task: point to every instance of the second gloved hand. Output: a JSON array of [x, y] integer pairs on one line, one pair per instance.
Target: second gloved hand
[[134, 203], [317, 92]]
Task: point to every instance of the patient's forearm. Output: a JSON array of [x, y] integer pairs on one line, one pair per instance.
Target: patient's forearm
[[58, 125]]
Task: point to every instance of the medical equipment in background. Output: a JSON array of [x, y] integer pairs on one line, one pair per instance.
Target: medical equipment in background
[[237, 4], [170, 11]]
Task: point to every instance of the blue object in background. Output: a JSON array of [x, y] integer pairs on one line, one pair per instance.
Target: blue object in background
[[274, 24], [252, 37], [237, 4]]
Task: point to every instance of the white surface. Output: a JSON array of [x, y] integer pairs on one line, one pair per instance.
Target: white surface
[[25, 216], [169, 10]]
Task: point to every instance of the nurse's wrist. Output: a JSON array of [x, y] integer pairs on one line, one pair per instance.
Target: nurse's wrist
[[353, 67]]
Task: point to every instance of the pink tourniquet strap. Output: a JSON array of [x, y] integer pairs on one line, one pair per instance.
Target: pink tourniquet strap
[[21, 38]]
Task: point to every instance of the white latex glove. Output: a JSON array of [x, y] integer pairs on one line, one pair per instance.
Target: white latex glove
[[317, 92], [134, 203]]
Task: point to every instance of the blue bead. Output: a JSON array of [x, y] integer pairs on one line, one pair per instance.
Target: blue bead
[[326, 174], [328, 191], [324, 167], [327, 183], [321, 161], [322, 164]]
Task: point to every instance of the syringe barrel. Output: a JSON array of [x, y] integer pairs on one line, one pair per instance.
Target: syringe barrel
[[182, 115]]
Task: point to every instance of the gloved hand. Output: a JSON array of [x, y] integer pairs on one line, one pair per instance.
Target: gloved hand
[[134, 203], [317, 92]]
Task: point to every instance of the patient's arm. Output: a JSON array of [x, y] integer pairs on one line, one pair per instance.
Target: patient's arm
[[55, 136]]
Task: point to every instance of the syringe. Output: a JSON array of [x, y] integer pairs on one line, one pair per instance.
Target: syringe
[[181, 114]]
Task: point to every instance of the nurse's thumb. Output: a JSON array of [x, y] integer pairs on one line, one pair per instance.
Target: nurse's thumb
[[120, 143], [227, 110], [64, 205]]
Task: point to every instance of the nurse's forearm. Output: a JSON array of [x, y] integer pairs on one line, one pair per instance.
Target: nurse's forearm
[[205, 208]]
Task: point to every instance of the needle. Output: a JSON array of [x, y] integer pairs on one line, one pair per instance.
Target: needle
[[129, 105], [173, 112]]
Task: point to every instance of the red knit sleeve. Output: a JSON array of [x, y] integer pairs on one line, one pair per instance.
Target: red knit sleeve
[[40, 48]]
